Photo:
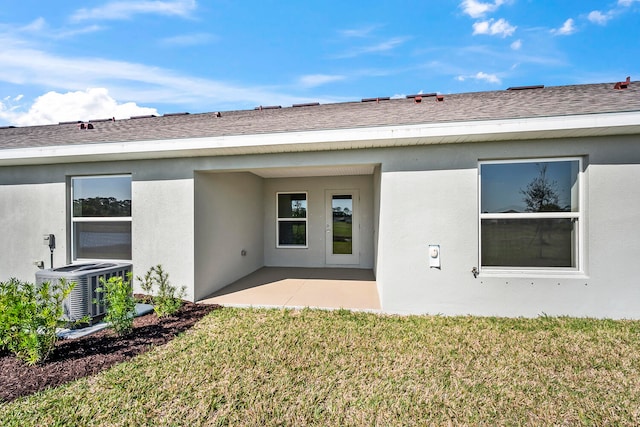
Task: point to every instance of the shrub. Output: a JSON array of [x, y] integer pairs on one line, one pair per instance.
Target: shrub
[[146, 284], [168, 299], [121, 306], [29, 316]]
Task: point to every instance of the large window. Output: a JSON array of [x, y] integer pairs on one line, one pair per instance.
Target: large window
[[101, 217], [291, 227], [530, 216]]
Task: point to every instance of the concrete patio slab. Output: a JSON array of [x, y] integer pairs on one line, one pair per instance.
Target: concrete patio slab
[[302, 287]]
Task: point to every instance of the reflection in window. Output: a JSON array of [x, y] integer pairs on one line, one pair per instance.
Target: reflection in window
[[101, 217], [546, 242], [102, 240], [550, 186], [342, 206], [529, 214], [292, 219]]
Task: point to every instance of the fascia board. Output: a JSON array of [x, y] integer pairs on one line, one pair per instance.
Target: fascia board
[[353, 138]]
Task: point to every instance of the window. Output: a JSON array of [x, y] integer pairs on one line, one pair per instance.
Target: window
[[291, 227], [530, 216], [101, 217]]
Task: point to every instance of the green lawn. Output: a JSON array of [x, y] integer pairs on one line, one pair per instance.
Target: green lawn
[[312, 367], [342, 235]]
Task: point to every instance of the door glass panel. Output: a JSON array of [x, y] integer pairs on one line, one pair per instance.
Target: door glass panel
[[342, 206]]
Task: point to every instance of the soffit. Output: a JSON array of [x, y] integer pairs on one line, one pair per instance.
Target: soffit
[[296, 172]]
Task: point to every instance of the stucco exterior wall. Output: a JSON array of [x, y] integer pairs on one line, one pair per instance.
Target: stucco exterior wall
[[614, 240], [229, 213], [314, 254], [424, 195], [29, 211], [162, 229], [441, 184]]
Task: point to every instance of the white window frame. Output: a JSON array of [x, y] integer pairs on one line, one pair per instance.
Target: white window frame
[[279, 220], [75, 220], [576, 216]]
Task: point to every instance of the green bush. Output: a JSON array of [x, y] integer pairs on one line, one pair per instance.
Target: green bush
[[168, 299], [121, 305], [29, 316]]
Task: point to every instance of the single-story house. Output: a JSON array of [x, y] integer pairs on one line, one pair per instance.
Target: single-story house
[[516, 202]]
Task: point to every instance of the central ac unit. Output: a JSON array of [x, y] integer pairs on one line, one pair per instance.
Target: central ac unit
[[84, 300]]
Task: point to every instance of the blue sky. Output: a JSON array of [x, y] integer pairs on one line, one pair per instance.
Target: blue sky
[[81, 60]]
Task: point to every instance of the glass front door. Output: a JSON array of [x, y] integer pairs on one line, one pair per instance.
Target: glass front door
[[342, 228]]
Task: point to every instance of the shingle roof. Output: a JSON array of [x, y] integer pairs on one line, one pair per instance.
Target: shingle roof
[[496, 105]]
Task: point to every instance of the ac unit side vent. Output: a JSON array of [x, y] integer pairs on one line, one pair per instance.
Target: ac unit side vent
[[84, 300]]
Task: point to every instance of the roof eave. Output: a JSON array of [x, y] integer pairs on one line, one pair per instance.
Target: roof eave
[[603, 124]]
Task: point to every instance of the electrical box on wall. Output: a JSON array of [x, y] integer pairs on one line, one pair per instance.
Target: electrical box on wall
[[434, 256]]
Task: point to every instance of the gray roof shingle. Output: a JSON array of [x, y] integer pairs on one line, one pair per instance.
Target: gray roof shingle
[[496, 105]]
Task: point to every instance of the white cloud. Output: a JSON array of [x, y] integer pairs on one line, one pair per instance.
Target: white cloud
[[476, 9], [490, 78], [64, 33], [516, 45], [189, 39], [567, 28], [599, 18], [37, 25], [146, 84], [358, 32], [116, 10], [627, 3], [384, 46], [314, 80], [494, 28], [54, 107]]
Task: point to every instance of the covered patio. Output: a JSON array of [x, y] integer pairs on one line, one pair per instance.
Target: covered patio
[[330, 288]]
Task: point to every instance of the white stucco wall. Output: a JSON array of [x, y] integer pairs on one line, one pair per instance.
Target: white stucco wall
[[162, 229], [314, 254], [34, 201], [228, 220], [427, 195], [28, 211], [433, 199], [613, 240]]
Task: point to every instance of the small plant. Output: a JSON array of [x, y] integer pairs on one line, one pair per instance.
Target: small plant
[[29, 316], [168, 299], [121, 305], [146, 284]]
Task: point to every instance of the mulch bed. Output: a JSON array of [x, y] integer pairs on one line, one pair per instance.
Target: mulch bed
[[81, 357]]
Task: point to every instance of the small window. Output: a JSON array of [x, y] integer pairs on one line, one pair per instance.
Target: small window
[[530, 216], [291, 227], [101, 217]]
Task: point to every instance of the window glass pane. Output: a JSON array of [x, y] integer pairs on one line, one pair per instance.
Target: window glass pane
[[529, 187], [104, 196], [342, 206], [529, 242], [102, 240], [292, 205], [292, 233]]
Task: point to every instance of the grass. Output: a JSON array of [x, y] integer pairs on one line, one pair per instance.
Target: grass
[[342, 234], [311, 367]]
